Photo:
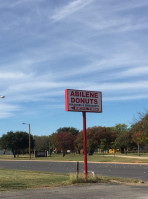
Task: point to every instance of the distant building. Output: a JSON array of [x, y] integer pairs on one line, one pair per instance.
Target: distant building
[[5, 152]]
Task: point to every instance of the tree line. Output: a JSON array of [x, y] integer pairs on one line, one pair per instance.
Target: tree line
[[119, 137]]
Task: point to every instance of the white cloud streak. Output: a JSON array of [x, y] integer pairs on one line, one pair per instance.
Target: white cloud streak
[[69, 9], [133, 4], [11, 75], [142, 85], [128, 72], [125, 98], [7, 109]]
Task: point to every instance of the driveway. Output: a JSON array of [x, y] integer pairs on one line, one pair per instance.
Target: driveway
[[92, 191]]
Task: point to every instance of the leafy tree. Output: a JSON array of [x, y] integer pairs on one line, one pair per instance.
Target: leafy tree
[[140, 131], [18, 142], [141, 126], [64, 141], [41, 143], [91, 145], [53, 141], [144, 125], [120, 128], [71, 130], [94, 137], [79, 142], [123, 141], [103, 146], [139, 138], [8, 141]]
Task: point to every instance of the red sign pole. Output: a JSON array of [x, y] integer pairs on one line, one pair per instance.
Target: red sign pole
[[85, 144]]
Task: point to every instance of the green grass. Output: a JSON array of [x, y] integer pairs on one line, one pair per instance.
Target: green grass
[[16, 180], [101, 179], [94, 158]]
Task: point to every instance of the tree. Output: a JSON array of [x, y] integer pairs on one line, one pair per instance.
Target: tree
[[139, 138], [120, 128], [94, 137], [64, 141], [91, 145], [41, 143], [53, 141], [140, 131], [71, 130], [123, 141], [92, 140], [18, 142], [103, 146], [144, 123], [142, 126], [8, 141], [79, 142]]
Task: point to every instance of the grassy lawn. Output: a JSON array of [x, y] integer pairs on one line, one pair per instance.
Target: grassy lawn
[[15, 179], [76, 157]]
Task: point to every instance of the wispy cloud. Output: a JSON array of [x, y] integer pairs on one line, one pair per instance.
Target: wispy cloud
[[69, 9], [125, 98], [7, 109], [121, 86], [128, 72], [12, 4], [12, 75], [131, 5]]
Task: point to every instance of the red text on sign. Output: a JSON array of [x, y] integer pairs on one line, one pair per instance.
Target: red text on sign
[[84, 94], [84, 100]]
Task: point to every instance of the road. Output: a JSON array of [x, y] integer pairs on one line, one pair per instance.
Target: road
[[93, 191], [138, 171]]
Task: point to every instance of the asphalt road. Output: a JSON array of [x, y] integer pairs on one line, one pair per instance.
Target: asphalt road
[[139, 171], [93, 191]]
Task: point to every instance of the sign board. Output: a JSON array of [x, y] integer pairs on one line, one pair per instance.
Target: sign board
[[40, 153], [83, 101]]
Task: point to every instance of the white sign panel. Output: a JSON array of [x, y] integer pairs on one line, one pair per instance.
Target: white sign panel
[[83, 101]]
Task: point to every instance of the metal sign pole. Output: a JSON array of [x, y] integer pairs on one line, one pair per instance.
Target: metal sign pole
[[85, 144]]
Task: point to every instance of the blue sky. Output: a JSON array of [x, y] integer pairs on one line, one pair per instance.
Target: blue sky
[[49, 46]]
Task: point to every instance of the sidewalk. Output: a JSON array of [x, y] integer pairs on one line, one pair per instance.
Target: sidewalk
[[127, 156]]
